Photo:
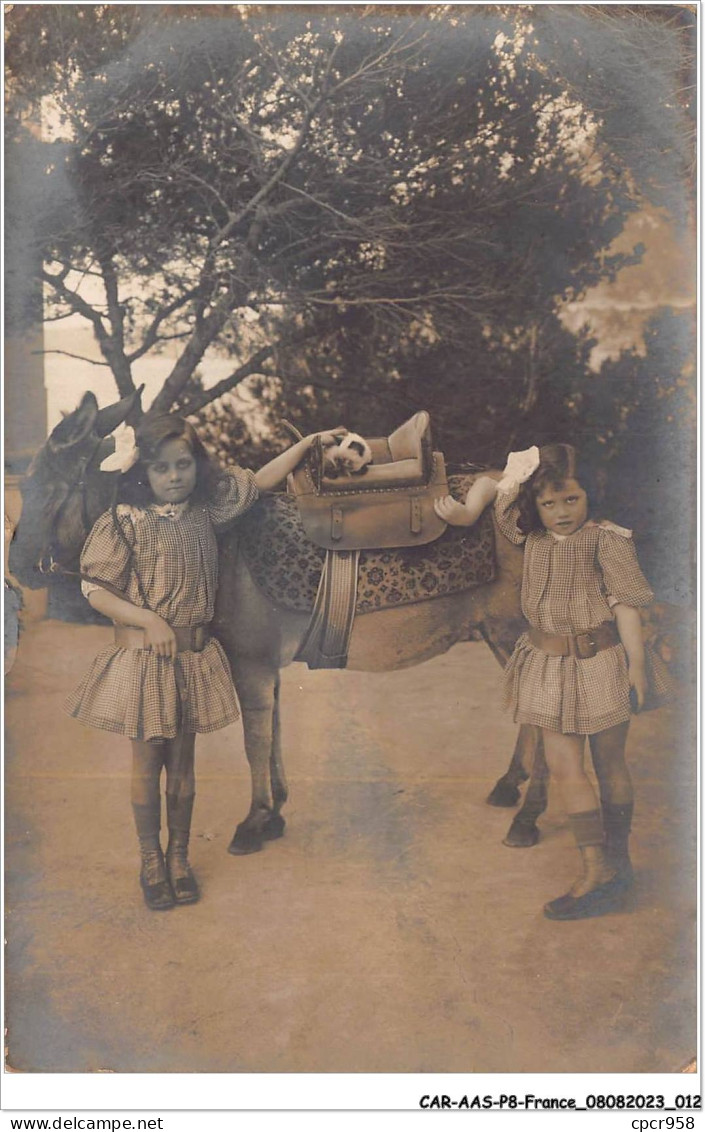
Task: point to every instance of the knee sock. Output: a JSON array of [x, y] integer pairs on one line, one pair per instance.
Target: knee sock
[[617, 822]]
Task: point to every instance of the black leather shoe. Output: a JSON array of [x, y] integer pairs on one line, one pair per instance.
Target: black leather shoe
[[606, 898], [183, 883], [154, 883]]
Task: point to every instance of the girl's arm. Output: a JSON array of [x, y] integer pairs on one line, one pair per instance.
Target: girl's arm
[[278, 469], [482, 492], [158, 635], [506, 511], [519, 468], [630, 634], [106, 557], [627, 590]]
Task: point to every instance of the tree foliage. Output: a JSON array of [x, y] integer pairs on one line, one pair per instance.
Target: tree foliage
[[370, 209], [638, 417]]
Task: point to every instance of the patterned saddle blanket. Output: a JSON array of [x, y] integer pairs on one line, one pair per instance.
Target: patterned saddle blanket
[[287, 566]]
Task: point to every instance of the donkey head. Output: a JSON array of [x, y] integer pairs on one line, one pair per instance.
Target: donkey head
[[64, 491]]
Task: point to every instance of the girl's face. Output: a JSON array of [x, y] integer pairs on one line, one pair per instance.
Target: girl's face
[[563, 509], [172, 475]]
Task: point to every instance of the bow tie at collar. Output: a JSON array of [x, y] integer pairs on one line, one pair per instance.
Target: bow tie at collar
[[169, 510]]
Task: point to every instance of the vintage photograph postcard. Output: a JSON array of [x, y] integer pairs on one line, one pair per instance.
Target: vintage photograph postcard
[[350, 511]]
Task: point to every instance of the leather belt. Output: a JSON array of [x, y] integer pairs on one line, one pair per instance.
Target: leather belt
[[582, 645], [189, 638]]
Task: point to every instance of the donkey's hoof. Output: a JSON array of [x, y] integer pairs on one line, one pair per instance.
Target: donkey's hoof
[[246, 840], [274, 828], [522, 834], [503, 794]]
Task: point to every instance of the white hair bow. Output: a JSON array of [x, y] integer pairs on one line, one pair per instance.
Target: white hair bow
[[520, 466], [126, 452]]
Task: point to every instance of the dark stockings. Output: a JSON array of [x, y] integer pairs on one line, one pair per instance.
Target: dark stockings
[[616, 794], [607, 749], [180, 793], [164, 884], [600, 833], [565, 758]]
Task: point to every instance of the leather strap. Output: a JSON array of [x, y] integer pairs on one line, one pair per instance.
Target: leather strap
[[336, 523], [191, 638], [327, 638], [581, 645]]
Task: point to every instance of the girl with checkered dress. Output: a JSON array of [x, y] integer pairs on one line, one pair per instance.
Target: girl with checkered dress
[[583, 661], [150, 565]]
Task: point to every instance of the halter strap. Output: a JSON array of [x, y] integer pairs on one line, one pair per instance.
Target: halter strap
[[48, 563]]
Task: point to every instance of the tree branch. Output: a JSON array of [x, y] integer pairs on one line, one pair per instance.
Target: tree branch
[[201, 338], [116, 315], [152, 335], [272, 182], [79, 304], [76, 357], [114, 345], [376, 63], [194, 404], [58, 317], [287, 83], [253, 365], [207, 329]]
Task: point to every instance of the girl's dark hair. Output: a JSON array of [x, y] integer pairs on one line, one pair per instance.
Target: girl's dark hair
[[557, 463], [150, 434]]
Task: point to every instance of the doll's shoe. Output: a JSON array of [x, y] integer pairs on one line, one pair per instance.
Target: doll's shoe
[[154, 882], [600, 901], [183, 882]]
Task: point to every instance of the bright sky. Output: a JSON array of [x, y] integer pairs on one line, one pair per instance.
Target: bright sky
[[666, 277]]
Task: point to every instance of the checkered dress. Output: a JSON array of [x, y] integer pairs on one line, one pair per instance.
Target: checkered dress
[[133, 691], [569, 585]]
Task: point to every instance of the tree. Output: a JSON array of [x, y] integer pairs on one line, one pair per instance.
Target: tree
[[638, 416], [369, 208]]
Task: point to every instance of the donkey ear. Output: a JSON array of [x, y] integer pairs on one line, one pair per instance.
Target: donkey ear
[[76, 426], [109, 418]]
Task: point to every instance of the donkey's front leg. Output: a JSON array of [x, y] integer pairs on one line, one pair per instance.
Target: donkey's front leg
[[257, 684], [524, 832], [277, 777], [505, 791]]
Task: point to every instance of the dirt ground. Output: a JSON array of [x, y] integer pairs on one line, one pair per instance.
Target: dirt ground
[[388, 931]]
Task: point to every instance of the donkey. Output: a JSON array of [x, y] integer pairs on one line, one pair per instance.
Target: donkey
[[63, 494]]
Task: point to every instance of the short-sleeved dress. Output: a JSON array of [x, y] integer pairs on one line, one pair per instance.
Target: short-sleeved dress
[[570, 584], [134, 692]]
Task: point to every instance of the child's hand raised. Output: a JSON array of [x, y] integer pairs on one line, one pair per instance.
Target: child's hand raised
[[519, 466], [332, 436], [272, 474]]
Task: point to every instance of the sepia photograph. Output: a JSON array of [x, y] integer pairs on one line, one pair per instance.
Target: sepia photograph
[[351, 468]]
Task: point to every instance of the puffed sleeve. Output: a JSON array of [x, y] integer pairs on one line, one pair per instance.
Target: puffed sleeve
[[106, 555], [623, 579], [235, 492], [506, 509]]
